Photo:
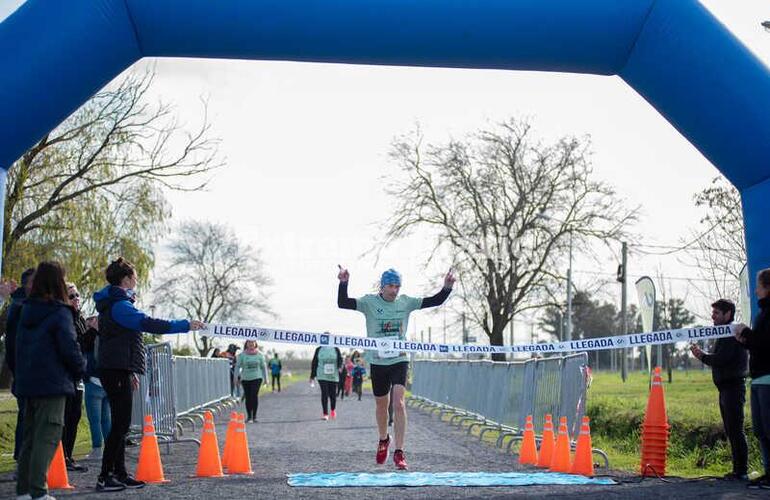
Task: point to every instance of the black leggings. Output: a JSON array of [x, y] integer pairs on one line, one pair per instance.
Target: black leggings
[[251, 391], [117, 385], [72, 413], [277, 379], [328, 395]]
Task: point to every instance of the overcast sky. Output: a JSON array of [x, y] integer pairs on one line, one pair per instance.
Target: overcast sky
[[306, 148]]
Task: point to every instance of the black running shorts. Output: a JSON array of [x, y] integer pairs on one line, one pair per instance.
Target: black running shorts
[[385, 376]]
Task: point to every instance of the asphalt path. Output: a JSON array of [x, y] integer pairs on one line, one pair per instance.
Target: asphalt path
[[290, 437]]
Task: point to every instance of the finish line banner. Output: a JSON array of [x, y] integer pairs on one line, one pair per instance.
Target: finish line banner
[[389, 347]]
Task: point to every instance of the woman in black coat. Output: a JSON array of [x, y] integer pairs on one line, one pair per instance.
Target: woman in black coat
[[48, 362], [757, 340]]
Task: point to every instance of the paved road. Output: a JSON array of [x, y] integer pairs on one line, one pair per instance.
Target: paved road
[[290, 437]]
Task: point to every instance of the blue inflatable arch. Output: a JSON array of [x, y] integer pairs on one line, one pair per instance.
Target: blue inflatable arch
[[55, 54]]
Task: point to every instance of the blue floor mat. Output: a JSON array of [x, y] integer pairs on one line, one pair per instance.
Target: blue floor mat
[[365, 479]]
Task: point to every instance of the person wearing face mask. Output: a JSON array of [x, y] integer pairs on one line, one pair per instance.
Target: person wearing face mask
[[74, 403], [120, 358], [757, 340], [387, 315]]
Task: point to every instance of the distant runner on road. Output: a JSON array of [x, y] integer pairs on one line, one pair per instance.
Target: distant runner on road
[[387, 316]]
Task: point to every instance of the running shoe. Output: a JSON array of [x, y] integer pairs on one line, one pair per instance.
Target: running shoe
[[334, 414], [734, 476], [382, 450], [73, 466], [109, 483], [324, 417], [130, 482], [400, 460]]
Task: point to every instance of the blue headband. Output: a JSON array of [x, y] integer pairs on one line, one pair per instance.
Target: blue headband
[[390, 277]]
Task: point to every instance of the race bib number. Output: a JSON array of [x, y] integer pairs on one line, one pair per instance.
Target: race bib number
[[388, 352], [328, 369]]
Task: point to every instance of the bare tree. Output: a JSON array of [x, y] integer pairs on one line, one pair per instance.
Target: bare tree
[[716, 250], [118, 138], [503, 206], [212, 276]]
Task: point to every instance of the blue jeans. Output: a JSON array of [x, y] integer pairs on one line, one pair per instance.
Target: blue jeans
[[98, 413], [760, 420]]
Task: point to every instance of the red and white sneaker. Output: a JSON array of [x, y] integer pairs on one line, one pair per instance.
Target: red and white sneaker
[[400, 460], [324, 417], [382, 450], [333, 414]]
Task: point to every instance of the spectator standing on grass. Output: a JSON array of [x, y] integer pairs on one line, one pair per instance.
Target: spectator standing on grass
[[251, 370], [11, 324], [729, 368], [757, 340], [348, 375], [97, 404], [231, 354], [275, 371], [73, 408], [121, 360], [48, 365]]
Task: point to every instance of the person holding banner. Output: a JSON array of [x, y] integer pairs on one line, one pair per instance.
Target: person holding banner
[[757, 340], [387, 315], [729, 367]]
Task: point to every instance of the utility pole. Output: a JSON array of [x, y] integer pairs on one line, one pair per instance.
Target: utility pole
[[569, 292], [511, 343], [624, 316]]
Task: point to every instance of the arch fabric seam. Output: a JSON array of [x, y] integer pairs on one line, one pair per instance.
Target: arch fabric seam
[[133, 28], [638, 35]]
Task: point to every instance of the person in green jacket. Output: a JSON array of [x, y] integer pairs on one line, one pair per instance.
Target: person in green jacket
[[326, 366], [251, 370]]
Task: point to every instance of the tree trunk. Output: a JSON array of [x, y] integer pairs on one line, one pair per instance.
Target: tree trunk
[[496, 338]]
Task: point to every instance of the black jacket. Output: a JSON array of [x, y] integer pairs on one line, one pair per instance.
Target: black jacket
[[729, 362], [48, 358], [11, 324], [120, 348], [757, 341]]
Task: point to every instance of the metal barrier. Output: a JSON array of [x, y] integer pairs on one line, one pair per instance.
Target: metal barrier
[[177, 389], [498, 396]]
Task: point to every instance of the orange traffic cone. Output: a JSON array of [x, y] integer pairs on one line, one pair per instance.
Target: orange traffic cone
[[149, 469], [229, 438], [239, 461], [560, 461], [655, 430], [209, 464], [546, 444], [57, 471], [528, 451], [583, 463]]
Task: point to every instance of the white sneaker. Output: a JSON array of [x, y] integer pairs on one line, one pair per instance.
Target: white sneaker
[[96, 454], [24, 497]]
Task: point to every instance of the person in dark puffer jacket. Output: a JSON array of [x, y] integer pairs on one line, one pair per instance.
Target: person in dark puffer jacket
[[120, 358], [48, 362], [11, 323], [757, 340]]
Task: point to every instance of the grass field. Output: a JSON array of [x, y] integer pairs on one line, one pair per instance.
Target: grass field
[[697, 443], [83, 443]]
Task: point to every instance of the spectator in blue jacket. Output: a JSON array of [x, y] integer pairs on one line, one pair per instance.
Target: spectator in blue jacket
[[11, 323], [120, 359], [48, 362]]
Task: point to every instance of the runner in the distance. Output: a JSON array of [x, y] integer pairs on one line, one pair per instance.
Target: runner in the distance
[[387, 315]]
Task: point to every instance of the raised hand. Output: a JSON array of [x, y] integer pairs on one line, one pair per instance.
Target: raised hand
[[343, 275], [196, 325], [449, 279]]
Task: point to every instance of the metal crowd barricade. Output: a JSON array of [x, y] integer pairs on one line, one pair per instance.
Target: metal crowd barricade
[[498, 396], [176, 389]]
